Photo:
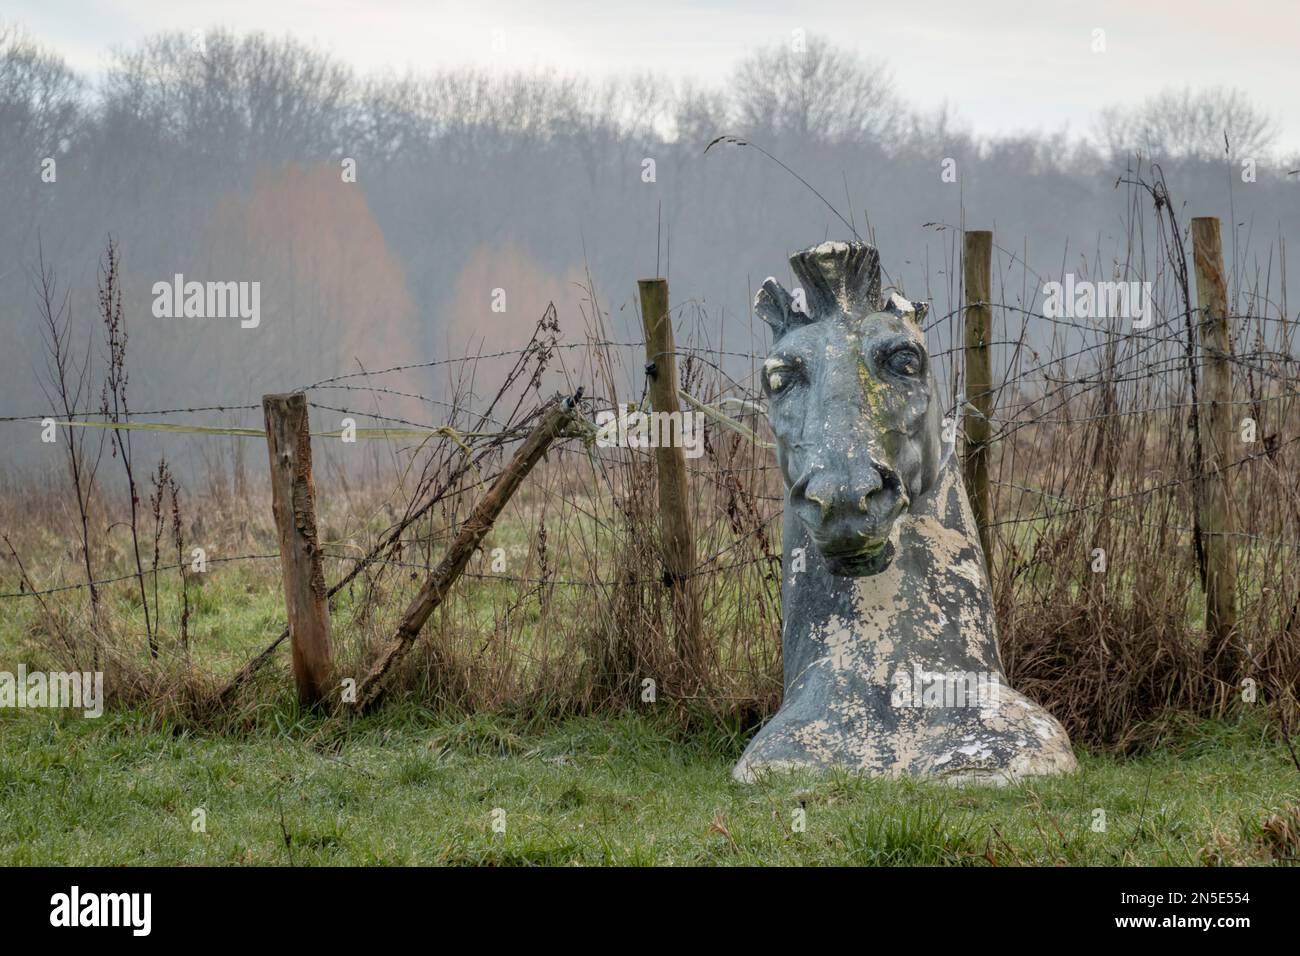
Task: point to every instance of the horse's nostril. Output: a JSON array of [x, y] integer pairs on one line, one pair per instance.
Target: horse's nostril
[[820, 498], [858, 491], [871, 485], [889, 480], [880, 495], [816, 487]]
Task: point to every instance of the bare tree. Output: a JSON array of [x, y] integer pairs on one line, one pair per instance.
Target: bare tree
[[67, 389], [816, 91], [253, 95], [114, 407], [41, 114], [40, 98], [1189, 124], [700, 114]]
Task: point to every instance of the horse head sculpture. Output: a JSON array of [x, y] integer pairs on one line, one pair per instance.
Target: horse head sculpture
[[851, 401], [889, 641]]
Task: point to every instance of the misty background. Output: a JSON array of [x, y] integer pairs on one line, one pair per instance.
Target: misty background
[[221, 156]]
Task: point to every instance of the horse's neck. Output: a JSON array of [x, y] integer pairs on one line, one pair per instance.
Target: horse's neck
[[933, 599]]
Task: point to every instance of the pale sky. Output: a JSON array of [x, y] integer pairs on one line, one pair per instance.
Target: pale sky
[[1002, 65]]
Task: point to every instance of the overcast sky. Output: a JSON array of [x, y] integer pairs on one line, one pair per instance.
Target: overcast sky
[[1001, 70]]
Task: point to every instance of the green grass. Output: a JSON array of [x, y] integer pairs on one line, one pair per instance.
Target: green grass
[[409, 787]]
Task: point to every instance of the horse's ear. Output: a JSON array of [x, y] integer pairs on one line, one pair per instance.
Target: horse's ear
[[775, 306], [915, 311], [839, 277]]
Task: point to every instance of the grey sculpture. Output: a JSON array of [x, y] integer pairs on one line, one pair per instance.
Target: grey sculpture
[[891, 656]]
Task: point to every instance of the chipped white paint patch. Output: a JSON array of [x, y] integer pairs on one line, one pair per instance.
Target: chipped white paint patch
[[995, 743], [928, 607]]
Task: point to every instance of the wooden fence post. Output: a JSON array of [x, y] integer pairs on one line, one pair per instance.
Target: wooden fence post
[[555, 421], [674, 492], [979, 384], [1212, 495], [293, 499]]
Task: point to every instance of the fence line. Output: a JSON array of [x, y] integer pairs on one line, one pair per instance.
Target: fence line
[[1124, 357]]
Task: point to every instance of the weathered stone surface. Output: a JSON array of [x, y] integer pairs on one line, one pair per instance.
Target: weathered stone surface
[[890, 644]]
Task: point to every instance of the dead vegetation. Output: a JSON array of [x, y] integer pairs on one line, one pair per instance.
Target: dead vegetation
[[565, 610]]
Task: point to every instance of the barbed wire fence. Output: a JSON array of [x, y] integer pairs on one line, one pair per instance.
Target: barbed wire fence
[[398, 427], [394, 427], [1138, 376]]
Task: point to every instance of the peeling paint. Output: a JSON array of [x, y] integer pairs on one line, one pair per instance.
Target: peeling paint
[[894, 573]]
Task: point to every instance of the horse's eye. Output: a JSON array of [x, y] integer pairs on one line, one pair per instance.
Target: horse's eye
[[905, 360], [778, 375]]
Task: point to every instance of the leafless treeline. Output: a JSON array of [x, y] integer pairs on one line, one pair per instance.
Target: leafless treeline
[[220, 159]]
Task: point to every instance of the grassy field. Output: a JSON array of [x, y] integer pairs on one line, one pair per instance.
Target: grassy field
[[504, 773], [270, 785], [413, 788]]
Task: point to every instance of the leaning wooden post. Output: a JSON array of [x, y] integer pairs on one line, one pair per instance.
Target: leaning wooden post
[[1216, 409], [553, 425], [293, 499], [674, 492], [979, 384]]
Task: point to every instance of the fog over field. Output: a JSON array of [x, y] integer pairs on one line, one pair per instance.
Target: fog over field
[[381, 212], [417, 448]]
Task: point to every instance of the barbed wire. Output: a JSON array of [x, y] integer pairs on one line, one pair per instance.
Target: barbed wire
[[1078, 507], [1029, 411], [133, 575], [702, 568], [1182, 529], [1169, 334], [156, 412]]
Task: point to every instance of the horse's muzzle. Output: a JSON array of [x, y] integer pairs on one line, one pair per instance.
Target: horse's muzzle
[[850, 520]]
